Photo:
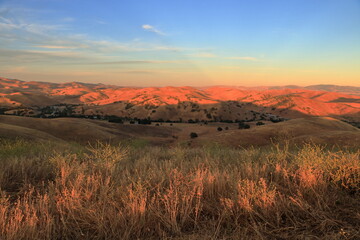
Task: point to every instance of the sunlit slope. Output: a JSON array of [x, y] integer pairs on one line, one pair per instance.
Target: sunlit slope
[[171, 102]]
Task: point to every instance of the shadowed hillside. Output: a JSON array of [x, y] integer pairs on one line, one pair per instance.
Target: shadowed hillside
[[320, 130]]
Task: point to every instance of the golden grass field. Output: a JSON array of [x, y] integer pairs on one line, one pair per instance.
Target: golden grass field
[[53, 190]]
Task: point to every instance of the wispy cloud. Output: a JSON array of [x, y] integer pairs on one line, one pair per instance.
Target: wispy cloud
[[100, 21], [153, 29], [19, 69], [56, 47], [7, 24], [203, 55], [254, 59], [11, 57], [169, 48], [140, 72], [133, 62], [27, 41], [68, 19]]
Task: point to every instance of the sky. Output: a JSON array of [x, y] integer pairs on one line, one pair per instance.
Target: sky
[[182, 43]]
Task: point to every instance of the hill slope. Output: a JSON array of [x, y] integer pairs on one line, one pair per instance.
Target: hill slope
[[173, 103], [79, 130], [317, 129]]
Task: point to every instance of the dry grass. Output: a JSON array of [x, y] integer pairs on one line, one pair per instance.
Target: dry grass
[[109, 192]]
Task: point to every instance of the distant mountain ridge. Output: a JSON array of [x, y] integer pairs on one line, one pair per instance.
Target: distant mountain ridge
[[206, 103]]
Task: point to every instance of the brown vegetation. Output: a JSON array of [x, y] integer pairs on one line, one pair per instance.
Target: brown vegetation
[[126, 192]]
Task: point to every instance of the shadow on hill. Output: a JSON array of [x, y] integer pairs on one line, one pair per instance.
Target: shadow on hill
[[81, 130]]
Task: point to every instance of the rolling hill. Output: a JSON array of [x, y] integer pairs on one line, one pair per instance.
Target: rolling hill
[[320, 130], [174, 103]]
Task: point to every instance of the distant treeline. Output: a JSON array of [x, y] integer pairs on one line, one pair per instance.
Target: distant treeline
[[67, 110]]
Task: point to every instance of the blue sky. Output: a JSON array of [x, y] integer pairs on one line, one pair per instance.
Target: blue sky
[[151, 43]]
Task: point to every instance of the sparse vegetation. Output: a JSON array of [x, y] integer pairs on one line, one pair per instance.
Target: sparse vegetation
[[123, 192]]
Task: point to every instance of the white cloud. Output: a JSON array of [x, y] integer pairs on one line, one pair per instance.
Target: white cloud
[[150, 28], [254, 59], [7, 24]]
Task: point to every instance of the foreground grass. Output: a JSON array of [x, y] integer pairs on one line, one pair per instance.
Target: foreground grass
[[124, 192]]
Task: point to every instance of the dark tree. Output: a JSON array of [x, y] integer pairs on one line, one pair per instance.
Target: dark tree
[[115, 119], [243, 125], [193, 135], [144, 121], [260, 123], [219, 129]]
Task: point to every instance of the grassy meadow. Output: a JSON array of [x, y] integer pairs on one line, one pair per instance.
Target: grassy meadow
[[136, 191]]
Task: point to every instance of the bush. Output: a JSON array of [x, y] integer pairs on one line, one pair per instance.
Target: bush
[[115, 119], [260, 123], [219, 129], [243, 125], [145, 121], [193, 135]]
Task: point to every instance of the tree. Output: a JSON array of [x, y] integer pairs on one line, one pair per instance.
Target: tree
[[243, 125], [260, 123], [144, 121], [219, 129], [115, 119], [193, 135]]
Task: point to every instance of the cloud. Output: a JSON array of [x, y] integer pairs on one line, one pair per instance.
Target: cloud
[[203, 55], [68, 19], [169, 48], [11, 57], [100, 21], [56, 47], [254, 59], [7, 24], [133, 62], [140, 72], [19, 69], [150, 28], [27, 41]]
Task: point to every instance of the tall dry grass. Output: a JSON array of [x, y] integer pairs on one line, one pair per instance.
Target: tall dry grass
[[118, 192]]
